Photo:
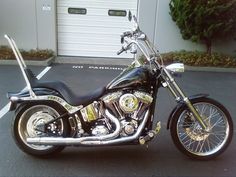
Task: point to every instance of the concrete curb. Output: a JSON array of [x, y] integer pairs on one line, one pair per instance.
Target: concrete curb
[[46, 62], [210, 69]]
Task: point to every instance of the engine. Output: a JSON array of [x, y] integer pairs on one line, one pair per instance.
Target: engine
[[127, 106]]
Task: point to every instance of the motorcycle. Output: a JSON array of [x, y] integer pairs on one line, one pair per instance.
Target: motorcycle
[[49, 116]]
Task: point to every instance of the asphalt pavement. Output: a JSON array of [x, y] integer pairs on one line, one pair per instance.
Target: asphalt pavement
[[160, 158]]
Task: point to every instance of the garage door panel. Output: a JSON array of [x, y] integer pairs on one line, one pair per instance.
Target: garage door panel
[[85, 36], [82, 43], [92, 28], [112, 42], [90, 53], [130, 4], [113, 22], [91, 11], [86, 45]]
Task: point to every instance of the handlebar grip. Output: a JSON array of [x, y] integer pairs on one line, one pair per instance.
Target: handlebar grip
[[120, 51], [127, 33]]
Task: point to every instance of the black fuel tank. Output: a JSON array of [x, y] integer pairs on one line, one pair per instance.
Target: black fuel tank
[[131, 77]]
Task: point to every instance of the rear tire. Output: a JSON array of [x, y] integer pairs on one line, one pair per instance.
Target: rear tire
[[27, 117], [196, 143]]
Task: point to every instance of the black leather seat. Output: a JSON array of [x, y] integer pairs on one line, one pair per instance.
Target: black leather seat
[[70, 97]]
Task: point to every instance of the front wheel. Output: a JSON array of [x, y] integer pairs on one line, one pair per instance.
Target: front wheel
[[29, 122], [192, 140]]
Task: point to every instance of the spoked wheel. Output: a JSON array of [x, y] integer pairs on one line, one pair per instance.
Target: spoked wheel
[[192, 140], [30, 122]]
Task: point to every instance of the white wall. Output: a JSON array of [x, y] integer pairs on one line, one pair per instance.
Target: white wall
[[167, 34], [28, 23], [18, 20], [46, 24], [147, 17]]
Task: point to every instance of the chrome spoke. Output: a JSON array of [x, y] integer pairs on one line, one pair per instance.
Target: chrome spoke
[[217, 122], [203, 143], [198, 141]]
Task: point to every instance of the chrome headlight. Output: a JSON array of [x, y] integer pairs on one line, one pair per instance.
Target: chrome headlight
[[176, 68]]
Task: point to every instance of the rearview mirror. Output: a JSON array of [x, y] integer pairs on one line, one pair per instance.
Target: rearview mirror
[[130, 16], [135, 19]]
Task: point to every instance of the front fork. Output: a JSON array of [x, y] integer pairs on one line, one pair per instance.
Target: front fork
[[170, 83]]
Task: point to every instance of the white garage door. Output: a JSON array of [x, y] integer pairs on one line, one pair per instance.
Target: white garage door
[[92, 28]]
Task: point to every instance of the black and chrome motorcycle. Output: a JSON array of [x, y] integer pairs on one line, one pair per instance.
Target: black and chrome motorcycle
[[49, 116]]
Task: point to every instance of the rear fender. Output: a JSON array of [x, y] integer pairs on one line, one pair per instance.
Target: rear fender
[[15, 98], [182, 104]]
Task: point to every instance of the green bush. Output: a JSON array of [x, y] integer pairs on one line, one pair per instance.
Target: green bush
[[205, 21], [197, 58], [6, 53]]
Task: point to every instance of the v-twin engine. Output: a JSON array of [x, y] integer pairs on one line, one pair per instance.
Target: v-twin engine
[[127, 106]]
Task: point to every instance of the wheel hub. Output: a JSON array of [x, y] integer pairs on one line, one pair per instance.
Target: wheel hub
[[195, 131]]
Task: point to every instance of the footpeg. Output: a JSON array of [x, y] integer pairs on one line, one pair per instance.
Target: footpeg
[[150, 135], [158, 127]]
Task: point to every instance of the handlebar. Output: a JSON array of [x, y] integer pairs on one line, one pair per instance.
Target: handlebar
[[121, 51], [136, 39], [127, 33]]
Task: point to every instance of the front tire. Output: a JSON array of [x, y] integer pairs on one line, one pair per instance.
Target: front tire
[[192, 140], [28, 117]]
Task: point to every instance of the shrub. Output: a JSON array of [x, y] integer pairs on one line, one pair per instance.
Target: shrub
[[205, 20], [6, 53], [197, 58]]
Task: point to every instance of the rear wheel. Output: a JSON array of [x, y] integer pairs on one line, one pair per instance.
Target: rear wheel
[[29, 122], [195, 142]]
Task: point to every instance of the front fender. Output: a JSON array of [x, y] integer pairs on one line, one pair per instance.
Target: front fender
[[180, 105], [15, 97]]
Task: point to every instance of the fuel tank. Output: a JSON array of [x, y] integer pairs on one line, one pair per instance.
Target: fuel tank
[[131, 77]]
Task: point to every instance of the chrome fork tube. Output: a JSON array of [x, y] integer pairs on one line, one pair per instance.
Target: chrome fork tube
[[177, 91]]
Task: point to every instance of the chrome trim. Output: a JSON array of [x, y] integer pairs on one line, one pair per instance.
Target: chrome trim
[[112, 97], [71, 109], [144, 97], [103, 140], [123, 139], [14, 99], [78, 141], [21, 63]]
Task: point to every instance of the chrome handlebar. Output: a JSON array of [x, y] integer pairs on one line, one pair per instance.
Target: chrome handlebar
[[131, 40]]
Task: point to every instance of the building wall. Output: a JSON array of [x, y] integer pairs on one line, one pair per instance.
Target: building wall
[[46, 24], [32, 23], [18, 20], [167, 35], [147, 11]]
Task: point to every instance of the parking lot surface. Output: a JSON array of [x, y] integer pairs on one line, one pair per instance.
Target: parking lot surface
[[160, 158]]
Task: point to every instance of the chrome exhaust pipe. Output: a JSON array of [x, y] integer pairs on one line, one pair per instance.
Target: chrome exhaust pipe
[[89, 141], [123, 139], [77, 141]]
